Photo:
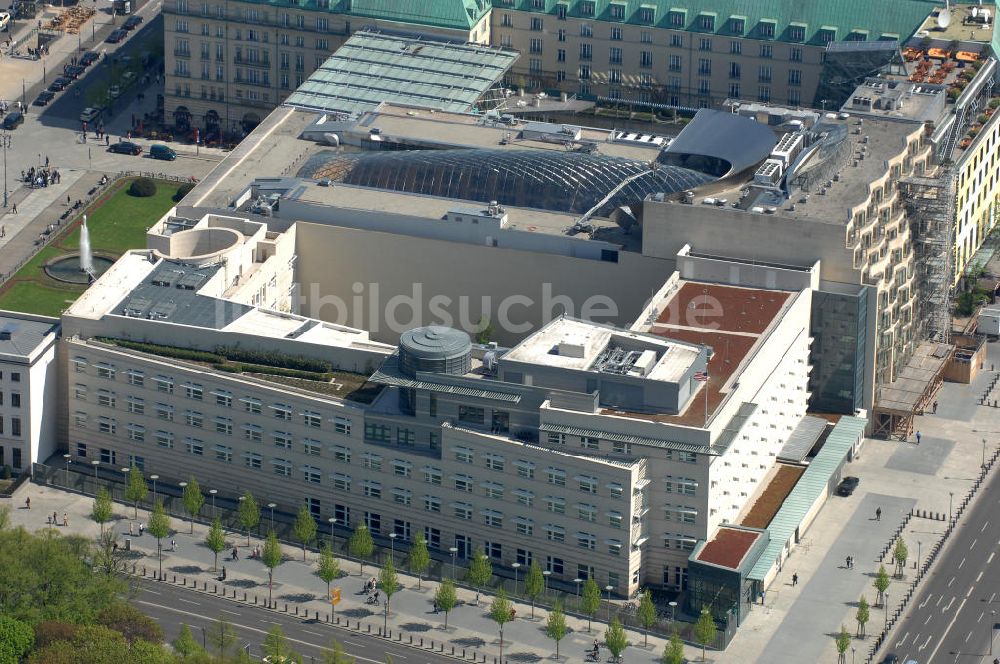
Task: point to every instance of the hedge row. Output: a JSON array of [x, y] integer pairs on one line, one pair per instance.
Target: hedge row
[[236, 367], [272, 359], [167, 351]]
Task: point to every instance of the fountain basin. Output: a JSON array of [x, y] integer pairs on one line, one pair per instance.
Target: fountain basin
[[66, 268]]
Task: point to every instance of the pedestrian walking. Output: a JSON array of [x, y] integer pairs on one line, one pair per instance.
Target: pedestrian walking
[[918, 438], [934, 408], [173, 544], [878, 513], [55, 518], [27, 502], [142, 527], [795, 579], [65, 520], [68, 201], [46, 161], [847, 562], [13, 208], [435, 605]]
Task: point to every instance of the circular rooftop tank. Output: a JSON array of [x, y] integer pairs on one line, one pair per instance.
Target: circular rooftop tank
[[435, 349]]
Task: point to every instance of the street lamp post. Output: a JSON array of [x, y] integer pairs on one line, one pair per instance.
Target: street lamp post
[[392, 548], [545, 582], [609, 589], [673, 609], [993, 623], [125, 485], [68, 461], [515, 566], [578, 581], [5, 143], [213, 492], [984, 454], [951, 496], [95, 463], [272, 506], [852, 654], [919, 546], [885, 605], [453, 551], [332, 520], [154, 478]]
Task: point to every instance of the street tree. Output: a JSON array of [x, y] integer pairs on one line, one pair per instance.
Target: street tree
[[304, 528], [615, 639], [704, 630], [534, 584], [419, 559], [843, 642], [389, 583], [361, 545], [223, 637], [249, 513], [277, 649], [215, 540], [446, 599], [185, 644], [328, 567], [501, 613], [136, 489], [336, 655], [590, 601], [271, 557], [555, 626], [159, 527], [881, 583], [109, 558], [193, 500], [646, 615], [673, 652], [103, 509], [480, 571], [899, 555], [863, 615]]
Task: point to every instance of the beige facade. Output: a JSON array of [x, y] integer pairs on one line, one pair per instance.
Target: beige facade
[[229, 63], [653, 64]]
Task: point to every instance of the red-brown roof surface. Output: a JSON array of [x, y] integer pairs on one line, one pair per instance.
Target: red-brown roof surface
[[728, 547], [772, 497], [730, 319]]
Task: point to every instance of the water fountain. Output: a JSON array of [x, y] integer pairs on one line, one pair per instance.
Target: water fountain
[[86, 255]]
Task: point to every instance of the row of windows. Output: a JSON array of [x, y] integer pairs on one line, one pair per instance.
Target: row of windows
[[15, 399]]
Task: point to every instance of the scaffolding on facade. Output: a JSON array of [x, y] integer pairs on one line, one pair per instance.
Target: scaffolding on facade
[[930, 205]]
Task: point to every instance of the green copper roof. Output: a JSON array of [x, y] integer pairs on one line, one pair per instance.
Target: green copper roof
[[864, 20], [455, 14]]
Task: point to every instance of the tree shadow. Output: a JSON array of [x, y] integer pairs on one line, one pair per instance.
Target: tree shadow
[[469, 642], [524, 657], [357, 613], [244, 583], [415, 627], [297, 597], [186, 569]]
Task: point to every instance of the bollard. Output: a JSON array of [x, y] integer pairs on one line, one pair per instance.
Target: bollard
[[175, 578], [286, 607], [184, 581], [144, 570], [215, 589], [254, 599], [369, 629], [421, 642], [244, 597], [463, 653], [296, 610], [411, 639]]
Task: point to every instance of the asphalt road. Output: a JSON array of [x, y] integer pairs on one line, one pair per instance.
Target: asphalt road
[[950, 619], [171, 606]]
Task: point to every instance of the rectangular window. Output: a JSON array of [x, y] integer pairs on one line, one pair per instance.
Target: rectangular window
[[251, 405], [224, 453], [674, 63], [311, 419], [136, 432], [463, 483], [405, 437], [372, 461], [795, 54], [556, 476], [587, 484], [462, 511], [616, 33], [401, 468], [432, 503], [525, 469], [282, 412], [536, 24], [555, 504], [136, 405], [312, 474], [341, 453], [586, 541], [493, 519], [342, 425], [193, 391], [402, 496], [165, 412], [341, 482], [524, 527], [380, 433], [797, 33], [281, 439], [586, 512], [281, 467], [464, 454], [493, 490], [495, 462], [15, 427], [104, 398], [525, 497], [164, 384], [312, 447], [432, 475], [766, 51], [81, 450], [193, 418], [252, 460], [165, 439], [104, 370], [136, 378], [223, 398], [194, 446], [224, 425], [471, 414], [555, 533]]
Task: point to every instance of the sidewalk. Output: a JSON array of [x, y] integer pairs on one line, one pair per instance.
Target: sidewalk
[[295, 582]]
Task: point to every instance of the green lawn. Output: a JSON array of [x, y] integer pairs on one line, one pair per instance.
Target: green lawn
[[117, 224]]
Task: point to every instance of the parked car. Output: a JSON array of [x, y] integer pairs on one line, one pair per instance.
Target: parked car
[[4, 20], [847, 486], [127, 78], [116, 36], [89, 58], [90, 114], [114, 91], [132, 22], [162, 152], [891, 658], [12, 120], [59, 84], [125, 147], [73, 71], [43, 98]]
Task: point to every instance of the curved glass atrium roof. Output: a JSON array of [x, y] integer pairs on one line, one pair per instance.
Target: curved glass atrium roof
[[553, 180]]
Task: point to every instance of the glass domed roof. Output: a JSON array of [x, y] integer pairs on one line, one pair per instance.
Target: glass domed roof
[[555, 180]]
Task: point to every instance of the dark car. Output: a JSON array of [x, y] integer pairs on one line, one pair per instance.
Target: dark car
[[59, 84], [847, 486], [132, 22], [73, 71], [116, 36], [891, 658], [125, 147], [89, 58], [43, 98]]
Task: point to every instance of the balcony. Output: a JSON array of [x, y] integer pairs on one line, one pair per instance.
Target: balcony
[[260, 64], [182, 53]]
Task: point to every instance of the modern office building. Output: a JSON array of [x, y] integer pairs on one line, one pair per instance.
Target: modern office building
[[229, 62], [595, 450], [29, 393]]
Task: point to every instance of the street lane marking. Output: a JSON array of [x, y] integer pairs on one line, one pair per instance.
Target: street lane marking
[[990, 559], [978, 578], [924, 603], [968, 636], [929, 616], [181, 599], [969, 594], [261, 631], [984, 526], [151, 591], [959, 567], [311, 632], [980, 618], [230, 612], [906, 636], [949, 603], [938, 603], [947, 629], [972, 546], [925, 643]]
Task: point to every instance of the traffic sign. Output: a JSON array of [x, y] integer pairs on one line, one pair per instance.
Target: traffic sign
[[335, 596]]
